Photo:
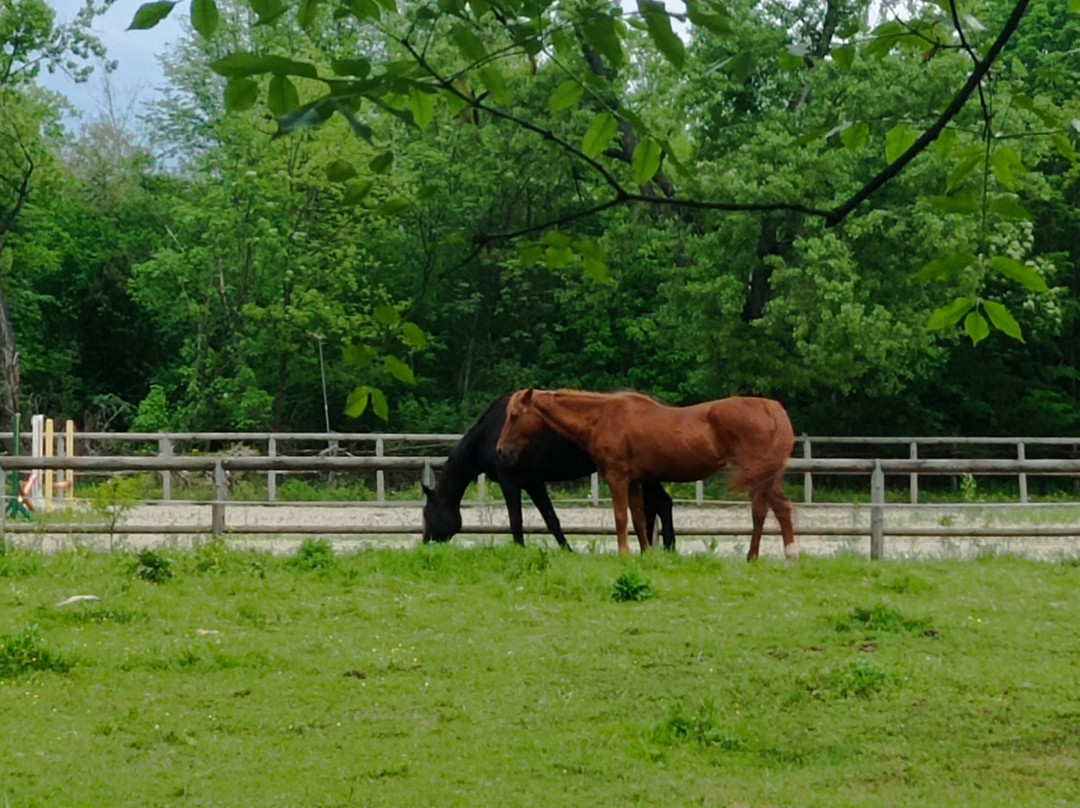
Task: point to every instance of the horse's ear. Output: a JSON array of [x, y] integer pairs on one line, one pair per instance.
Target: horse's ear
[[526, 397]]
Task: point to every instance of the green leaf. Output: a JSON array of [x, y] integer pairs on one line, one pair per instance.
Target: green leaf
[[601, 35], [1005, 164], [718, 21], [340, 171], [360, 68], [496, 84], [844, 56], [646, 160], [593, 260], [268, 10], [399, 370], [470, 45], [976, 327], [966, 165], [413, 335], [659, 26], [150, 14], [558, 257], [565, 96], [363, 10], [359, 356], [963, 203], [356, 192], [379, 405], [1003, 321], [204, 17], [530, 253], [948, 316], [381, 163], [282, 96], [1064, 147], [945, 267], [242, 63], [422, 107], [740, 66], [855, 136], [898, 140], [1074, 6], [599, 135], [311, 114], [240, 95], [553, 238], [1021, 273], [394, 206], [306, 14], [943, 146], [1009, 207], [387, 315], [357, 402]]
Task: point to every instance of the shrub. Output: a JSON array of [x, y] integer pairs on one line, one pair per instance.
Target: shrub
[[152, 566], [630, 586], [314, 554]]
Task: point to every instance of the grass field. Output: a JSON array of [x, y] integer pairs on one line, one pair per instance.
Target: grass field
[[509, 677]]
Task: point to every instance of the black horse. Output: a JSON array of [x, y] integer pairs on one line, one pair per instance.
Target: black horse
[[548, 458]]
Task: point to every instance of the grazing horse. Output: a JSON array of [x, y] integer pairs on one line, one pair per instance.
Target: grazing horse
[[548, 458], [635, 439]]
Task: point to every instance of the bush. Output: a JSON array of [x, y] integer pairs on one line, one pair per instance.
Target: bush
[[314, 554], [630, 586], [152, 566]]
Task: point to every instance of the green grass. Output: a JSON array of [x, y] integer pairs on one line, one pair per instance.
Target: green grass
[[450, 677]]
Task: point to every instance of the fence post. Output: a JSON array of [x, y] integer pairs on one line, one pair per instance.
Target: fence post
[[594, 488], [877, 513], [165, 449], [69, 431], [808, 478], [914, 475], [4, 498], [48, 484], [217, 508], [380, 477], [1020, 455], [481, 488], [271, 476]]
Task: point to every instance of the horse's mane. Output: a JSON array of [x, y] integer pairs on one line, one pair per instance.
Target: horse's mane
[[597, 394]]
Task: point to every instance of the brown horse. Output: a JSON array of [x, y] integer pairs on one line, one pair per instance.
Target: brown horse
[[633, 439]]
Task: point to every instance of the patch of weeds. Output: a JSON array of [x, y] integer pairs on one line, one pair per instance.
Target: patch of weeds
[[700, 727], [151, 566], [211, 557], [19, 564], [906, 584], [98, 615], [861, 678], [631, 587], [313, 555], [25, 653], [881, 618]]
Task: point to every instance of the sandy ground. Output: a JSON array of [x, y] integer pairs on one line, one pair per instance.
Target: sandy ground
[[373, 517]]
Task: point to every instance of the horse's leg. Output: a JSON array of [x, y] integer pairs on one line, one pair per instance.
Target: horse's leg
[[620, 500], [781, 506], [649, 498], [542, 500], [512, 495], [637, 515], [759, 508], [662, 507]]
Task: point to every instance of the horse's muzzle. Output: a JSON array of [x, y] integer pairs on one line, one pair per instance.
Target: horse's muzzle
[[508, 455]]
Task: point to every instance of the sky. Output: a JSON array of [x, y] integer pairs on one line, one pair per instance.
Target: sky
[[139, 71]]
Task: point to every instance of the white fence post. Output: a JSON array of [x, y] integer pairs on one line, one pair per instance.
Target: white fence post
[[914, 475], [271, 476], [380, 477], [594, 488], [217, 508], [808, 477], [1022, 479], [877, 513], [165, 449]]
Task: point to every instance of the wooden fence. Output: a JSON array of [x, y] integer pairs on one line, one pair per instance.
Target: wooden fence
[[877, 469], [376, 444]]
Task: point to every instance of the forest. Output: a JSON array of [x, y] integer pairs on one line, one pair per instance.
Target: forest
[[424, 204]]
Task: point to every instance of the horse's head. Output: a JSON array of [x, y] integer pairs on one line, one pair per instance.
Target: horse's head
[[442, 519], [523, 423]]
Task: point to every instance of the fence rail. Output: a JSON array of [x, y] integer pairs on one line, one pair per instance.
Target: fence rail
[[219, 465]]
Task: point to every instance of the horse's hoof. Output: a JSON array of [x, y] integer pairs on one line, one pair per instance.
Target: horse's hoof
[[791, 552]]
